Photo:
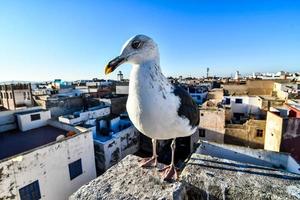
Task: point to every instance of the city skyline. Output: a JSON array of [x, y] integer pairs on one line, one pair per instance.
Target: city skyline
[[74, 40]]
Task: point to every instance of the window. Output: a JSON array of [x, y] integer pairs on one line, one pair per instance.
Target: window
[[10, 95], [259, 133], [227, 101], [31, 191], [1, 95], [75, 169], [240, 101], [202, 114], [201, 132], [35, 117]]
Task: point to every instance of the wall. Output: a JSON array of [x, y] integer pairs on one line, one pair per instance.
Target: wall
[[252, 87], [216, 94], [7, 101], [245, 134], [118, 104], [25, 123], [291, 137], [21, 99], [274, 128], [62, 106], [249, 105], [213, 121], [122, 89], [49, 165], [109, 152], [95, 113], [8, 120]]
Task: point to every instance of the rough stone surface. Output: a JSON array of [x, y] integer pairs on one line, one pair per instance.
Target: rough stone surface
[[204, 177], [127, 180], [207, 177]]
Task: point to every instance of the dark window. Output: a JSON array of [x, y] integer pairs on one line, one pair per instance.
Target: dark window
[[259, 133], [202, 114], [238, 100], [10, 95], [298, 86], [227, 101], [31, 191], [1, 95], [75, 169], [35, 117], [201, 132]]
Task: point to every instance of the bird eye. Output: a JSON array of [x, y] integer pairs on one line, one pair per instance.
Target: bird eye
[[136, 44]]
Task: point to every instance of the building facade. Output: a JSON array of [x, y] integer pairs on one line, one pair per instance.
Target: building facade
[[16, 96], [46, 162]]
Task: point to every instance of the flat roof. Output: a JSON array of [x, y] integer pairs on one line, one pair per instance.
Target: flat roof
[[16, 142], [30, 111]]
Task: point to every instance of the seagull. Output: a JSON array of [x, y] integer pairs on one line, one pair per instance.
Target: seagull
[[157, 108]]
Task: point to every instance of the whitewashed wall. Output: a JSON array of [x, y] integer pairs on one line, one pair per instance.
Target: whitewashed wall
[[251, 104], [25, 123], [84, 116], [120, 145], [49, 165]]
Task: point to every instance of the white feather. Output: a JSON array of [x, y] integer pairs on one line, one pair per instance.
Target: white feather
[[152, 105]]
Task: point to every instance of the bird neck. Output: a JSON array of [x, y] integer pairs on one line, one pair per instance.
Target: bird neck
[[145, 72]]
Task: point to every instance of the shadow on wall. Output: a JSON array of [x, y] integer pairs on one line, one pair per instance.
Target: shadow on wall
[[244, 168], [211, 135], [230, 139]]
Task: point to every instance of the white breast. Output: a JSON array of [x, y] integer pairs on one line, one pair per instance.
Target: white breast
[[152, 106]]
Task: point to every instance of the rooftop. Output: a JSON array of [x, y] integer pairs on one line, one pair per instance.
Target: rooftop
[[30, 111], [16, 141]]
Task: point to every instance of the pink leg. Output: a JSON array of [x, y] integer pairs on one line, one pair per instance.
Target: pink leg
[[170, 172], [152, 161]]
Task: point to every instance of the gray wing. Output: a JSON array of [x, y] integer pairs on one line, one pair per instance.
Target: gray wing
[[188, 108]]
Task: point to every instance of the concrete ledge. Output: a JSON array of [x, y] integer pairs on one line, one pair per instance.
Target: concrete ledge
[[204, 177], [207, 177], [127, 180]]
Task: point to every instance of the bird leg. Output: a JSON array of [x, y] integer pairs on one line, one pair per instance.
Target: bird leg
[[152, 161], [170, 172]]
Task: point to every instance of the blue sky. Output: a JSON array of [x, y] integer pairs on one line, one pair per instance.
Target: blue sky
[[43, 40]]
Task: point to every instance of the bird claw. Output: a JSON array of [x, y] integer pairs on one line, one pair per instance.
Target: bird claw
[[169, 172], [149, 162]]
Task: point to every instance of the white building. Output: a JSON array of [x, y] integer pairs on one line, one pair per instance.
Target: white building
[[243, 106], [286, 90], [116, 138], [48, 162], [16, 96], [33, 119], [91, 113]]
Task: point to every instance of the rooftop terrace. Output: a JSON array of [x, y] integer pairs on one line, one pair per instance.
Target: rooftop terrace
[[16, 142]]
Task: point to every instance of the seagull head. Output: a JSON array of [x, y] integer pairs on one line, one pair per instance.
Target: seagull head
[[136, 50]]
